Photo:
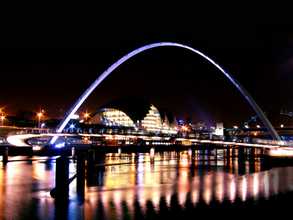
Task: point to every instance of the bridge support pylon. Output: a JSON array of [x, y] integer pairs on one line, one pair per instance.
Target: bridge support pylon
[[61, 190], [80, 176], [5, 155]]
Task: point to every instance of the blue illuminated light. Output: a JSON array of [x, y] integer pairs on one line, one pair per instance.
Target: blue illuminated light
[[60, 145]]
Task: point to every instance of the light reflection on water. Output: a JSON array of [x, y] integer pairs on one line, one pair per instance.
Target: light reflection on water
[[132, 182]]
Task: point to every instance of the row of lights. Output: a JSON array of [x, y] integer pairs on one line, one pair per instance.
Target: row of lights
[[258, 126], [3, 116], [39, 116], [86, 115]]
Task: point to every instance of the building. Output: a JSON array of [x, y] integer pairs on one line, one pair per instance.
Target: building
[[145, 118], [219, 130], [112, 117], [152, 122]]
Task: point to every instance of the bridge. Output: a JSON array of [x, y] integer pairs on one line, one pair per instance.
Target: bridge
[[139, 50], [84, 148], [276, 149], [277, 146]]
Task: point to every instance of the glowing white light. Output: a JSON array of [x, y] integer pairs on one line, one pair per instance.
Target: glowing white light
[[37, 148], [152, 152], [60, 145], [255, 185], [220, 186], [281, 152], [207, 193], [232, 190], [108, 71], [19, 140], [190, 152], [75, 116]]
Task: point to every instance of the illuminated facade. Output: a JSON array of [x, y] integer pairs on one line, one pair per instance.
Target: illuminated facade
[[112, 117], [168, 128], [151, 122]]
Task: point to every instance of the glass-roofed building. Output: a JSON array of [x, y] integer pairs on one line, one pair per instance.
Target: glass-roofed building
[[140, 115]]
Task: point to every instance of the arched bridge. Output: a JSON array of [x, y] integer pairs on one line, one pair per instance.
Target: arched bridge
[[139, 50]]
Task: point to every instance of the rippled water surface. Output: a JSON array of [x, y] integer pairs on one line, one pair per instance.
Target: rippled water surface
[[137, 186]]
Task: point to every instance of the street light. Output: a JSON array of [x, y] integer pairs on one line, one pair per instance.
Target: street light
[[86, 115], [184, 128], [281, 125], [2, 118], [39, 115]]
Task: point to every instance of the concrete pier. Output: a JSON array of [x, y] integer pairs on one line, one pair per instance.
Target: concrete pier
[[5, 155], [61, 189], [80, 176]]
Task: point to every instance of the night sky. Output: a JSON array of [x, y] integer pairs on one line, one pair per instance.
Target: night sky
[[48, 64]]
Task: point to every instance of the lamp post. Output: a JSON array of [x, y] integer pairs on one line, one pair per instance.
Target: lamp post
[[39, 115], [2, 118], [86, 115]]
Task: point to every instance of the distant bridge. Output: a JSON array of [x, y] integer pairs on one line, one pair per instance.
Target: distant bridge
[[21, 140]]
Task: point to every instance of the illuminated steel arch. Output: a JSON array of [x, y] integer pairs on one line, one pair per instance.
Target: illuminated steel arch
[[115, 65]]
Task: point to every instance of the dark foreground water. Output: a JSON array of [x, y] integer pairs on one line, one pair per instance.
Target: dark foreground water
[[169, 185]]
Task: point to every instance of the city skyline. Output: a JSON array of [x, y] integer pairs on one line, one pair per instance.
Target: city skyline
[[51, 73], [146, 113]]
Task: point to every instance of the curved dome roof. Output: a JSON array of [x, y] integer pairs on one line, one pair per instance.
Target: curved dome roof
[[136, 108]]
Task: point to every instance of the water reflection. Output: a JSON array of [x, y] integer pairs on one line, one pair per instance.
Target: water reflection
[[136, 186]]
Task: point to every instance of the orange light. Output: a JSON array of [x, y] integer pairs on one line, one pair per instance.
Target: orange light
[[2, 117], [184, 128], [86, 115]]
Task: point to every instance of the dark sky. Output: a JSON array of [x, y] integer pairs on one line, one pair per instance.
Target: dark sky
[[49, 63]]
